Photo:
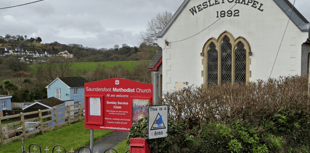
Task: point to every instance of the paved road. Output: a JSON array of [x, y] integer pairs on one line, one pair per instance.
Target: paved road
[[109, 141]]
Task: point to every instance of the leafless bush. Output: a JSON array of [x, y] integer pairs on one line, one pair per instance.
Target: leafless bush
[[230, 102]]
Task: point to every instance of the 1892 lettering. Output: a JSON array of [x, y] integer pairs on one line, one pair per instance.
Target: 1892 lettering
[[229, 13]]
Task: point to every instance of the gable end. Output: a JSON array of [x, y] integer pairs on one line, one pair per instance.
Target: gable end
[[295, 16], [174, 17]]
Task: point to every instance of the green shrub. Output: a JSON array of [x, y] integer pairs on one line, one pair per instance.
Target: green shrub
[[17, 108], [234, 146], [262, 117]]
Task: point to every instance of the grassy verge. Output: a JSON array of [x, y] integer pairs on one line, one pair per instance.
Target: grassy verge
[[8, 122], [72, 136], [122, 147]]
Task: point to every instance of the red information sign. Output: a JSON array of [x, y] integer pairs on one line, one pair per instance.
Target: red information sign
[[115, 104]]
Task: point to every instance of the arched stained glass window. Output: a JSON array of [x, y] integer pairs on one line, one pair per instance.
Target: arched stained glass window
[[240, 63], [212, 64], [226, 60]]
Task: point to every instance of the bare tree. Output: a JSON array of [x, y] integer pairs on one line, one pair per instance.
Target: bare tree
[[155, 26]]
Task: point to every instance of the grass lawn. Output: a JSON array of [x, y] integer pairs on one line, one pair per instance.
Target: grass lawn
[[122, 147], [72, 136], [8, 122]]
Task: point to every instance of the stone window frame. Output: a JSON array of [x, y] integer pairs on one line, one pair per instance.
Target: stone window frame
[[234, 41]]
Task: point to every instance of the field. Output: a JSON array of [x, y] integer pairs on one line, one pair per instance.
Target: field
[[91, 66]]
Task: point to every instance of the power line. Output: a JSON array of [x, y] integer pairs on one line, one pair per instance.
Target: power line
[[20, 5], [201, 30], [275, 60]]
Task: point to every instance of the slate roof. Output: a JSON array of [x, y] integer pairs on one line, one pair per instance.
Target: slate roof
[[74, 81], [51, 101], [299, 20], [5, 97], [155, 59]]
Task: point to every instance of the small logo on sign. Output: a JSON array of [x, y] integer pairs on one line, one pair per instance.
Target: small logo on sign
[[116, 82], [158, 123]]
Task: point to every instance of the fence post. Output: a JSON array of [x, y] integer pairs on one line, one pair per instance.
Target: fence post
[[1, 135], [41, 122], [80, 112], [22, 119], [68, 111], [55, 115]]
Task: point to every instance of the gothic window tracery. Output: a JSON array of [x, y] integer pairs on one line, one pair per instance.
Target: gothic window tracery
[[226, 60]]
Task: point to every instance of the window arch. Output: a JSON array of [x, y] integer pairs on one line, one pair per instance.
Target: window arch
[[226, 60]]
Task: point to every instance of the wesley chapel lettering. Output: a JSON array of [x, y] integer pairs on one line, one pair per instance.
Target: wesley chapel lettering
[[210, 3]]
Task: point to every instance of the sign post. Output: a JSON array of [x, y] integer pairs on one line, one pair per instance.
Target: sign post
[[115, 104], [158, 122], [91, 139]]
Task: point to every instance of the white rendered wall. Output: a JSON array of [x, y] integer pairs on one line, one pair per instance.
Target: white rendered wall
[[263, 31]]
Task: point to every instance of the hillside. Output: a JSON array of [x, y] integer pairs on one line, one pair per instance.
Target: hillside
[[92, 66], [81, 53]]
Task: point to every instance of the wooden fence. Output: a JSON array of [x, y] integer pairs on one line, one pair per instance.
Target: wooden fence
[[20, 104], [8, 131]]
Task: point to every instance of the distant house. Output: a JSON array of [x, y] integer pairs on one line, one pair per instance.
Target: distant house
[[27, 59], [19, 49], [16, 53], [5, 103], [65, 54], [3, 51], [39, 54], [67, 88], [51, 53], [3, 48], [30, 53], [50, 103], [8, 48]]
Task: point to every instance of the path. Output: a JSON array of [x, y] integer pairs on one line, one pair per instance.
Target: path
[[109, 141]]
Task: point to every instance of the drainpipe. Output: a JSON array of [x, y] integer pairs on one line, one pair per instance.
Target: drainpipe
[[309, 36]]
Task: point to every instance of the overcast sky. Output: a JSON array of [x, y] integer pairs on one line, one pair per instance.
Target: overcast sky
[[92, 23]]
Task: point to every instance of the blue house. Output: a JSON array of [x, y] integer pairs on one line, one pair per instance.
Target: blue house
[[5, 103], [67, 88]]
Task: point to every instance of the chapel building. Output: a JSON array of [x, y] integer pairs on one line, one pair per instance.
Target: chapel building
[[227, 41]]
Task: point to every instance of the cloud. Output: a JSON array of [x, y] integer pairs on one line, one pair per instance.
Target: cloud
[[92, 23]]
